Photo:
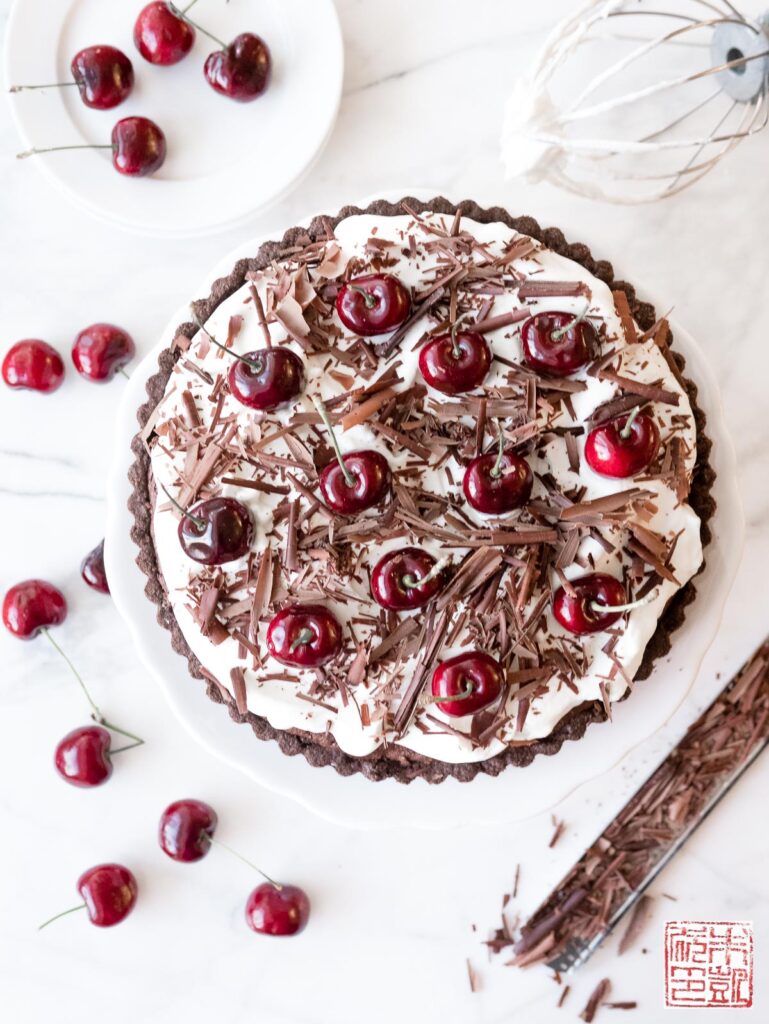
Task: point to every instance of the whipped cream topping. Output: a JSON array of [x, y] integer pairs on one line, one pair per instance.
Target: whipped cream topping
[[357, 698]]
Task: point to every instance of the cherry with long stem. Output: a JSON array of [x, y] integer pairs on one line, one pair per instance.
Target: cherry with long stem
[[496, 469], [323, 413], [96, 713], [626, 430]]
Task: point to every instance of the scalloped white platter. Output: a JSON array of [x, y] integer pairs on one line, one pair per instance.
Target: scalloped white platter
[[226, 160], [514, 795]]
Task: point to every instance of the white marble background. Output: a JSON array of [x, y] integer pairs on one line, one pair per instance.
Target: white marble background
[[393, 914]]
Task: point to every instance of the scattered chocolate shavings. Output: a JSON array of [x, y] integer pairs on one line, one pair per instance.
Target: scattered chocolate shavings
[[628, 1004], [560, 827], [622, 306], [291, 562], [494, 323], [256, 485], [366, 409], [564, 994], [536, 289], [651, 392], [635, 924], [599, 994], [193, 420], [472, 977], [238, 679], [333, 264]]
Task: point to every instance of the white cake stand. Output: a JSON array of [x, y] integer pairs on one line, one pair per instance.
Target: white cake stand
[[516, 793]]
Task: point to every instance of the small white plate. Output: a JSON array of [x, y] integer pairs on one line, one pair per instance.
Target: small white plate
[[226, 160], [514, 795]]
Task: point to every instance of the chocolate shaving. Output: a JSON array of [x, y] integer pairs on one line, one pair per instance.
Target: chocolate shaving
[[238, 679], [622, 306], [600, 992]]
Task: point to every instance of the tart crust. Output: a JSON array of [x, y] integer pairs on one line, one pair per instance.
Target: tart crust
[[395, 761]]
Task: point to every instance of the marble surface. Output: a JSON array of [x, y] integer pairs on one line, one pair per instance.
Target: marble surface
[[396, 915]]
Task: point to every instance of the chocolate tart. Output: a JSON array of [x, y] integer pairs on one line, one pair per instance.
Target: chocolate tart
[[393, 760]]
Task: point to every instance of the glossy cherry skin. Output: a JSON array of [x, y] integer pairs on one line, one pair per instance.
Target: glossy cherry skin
[[277, 911], [109, 892], [610, 454], [452, 373], [371, 471], [373, 304], [452, 678], [557, 356], [104, 76], [31, 606], [388, 585], [216, 531], [138, 147], [92, 569], [82, 757], [275, 378], [287, 631], [34, 366], [242, 70], [160, 36], [495, 495], [100, 351], [574, 612], [186, 826]]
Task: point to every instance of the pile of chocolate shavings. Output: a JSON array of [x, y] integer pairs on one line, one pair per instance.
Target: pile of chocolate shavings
[[620, 860]]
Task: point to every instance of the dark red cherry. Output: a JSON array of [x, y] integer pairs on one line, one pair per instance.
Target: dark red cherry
[[557, 343], [31, 606], [474, 680], [305, 635], [494, 486], [109, 892], [370, 474], [395, 579], [241, 70], [186, 828], [33, 365], [92, 569], [138, 147], [455, 365], [82, 757], [104, 76], [623, 446], [582, 610], [161, 37], [277, 910], [272, 377], [102, 350], [373, 304], [216, 531]]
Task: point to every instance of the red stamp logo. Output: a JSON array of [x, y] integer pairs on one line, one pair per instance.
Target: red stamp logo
[[708, 963]]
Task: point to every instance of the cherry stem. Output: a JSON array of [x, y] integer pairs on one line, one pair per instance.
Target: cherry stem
[[497, 468], [189, 6], [304, 636], [138, 741], [409, 581], [557, 335], [625, 432], [121, 370], [323, 413], [59, 149], [368, 298], [51, 85], [97, 715], [229, 849], [601, 608], [467, 692], [255, 364], [455, 349], [183, 15], [200, 523], [80, 906]]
